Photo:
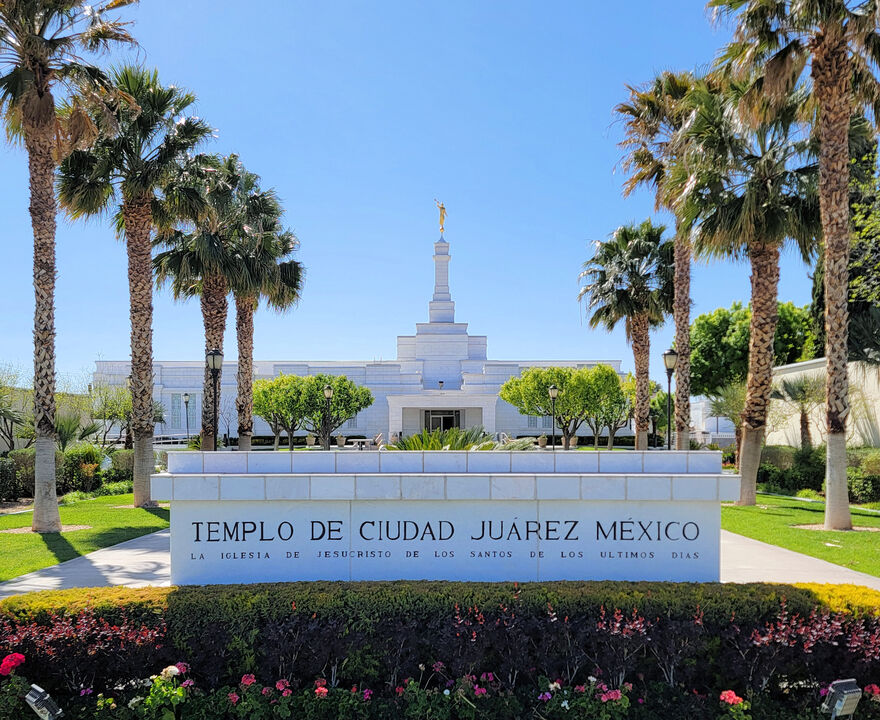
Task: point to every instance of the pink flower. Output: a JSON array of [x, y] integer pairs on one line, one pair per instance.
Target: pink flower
[[611, 695], [321, 691], [478, 691], [286, 692], [437, 666], [398, 690], [182, 667], [641, 701], [730, 697], [628, 686], [233, 698], [282, 684], [187, 683], [320, 682], [580, 688], [872, 690], [823, 692], [10, 662], [85, 691], [266, 690], [248, 680], [367, 695], [545, 696]]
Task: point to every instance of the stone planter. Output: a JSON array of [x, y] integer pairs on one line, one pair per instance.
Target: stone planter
[[573, 442], [310, 440], [340, 441], [542, 442]]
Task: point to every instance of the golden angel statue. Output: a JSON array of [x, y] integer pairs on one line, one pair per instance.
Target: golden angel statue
[[442, 208]]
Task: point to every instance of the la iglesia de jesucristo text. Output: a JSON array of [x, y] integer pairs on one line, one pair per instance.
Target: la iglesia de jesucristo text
[[440, 379]]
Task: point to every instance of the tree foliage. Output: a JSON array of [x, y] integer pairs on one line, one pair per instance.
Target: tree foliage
[[720, 344], [279, 402]]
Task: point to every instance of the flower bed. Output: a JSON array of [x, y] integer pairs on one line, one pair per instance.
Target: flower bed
[[440, 650]]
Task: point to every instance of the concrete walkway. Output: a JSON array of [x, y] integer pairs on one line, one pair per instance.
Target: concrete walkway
[[146, 561]]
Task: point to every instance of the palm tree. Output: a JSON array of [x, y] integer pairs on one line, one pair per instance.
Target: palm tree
[[839, 40], [134, 170], [804, 392], [39, 45], [266, 274], [746, 192], [203, 259], [652, 116], [629, 278]]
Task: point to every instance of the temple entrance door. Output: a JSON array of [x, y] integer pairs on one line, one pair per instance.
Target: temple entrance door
[[442, 419]]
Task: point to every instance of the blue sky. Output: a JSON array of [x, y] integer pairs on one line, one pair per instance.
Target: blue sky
[[360, 113]]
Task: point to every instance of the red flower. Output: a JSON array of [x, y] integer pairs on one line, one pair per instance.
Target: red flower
[[282, 684], [10, 662], [398, 690], [182, 667], [233, 698], [321, 691], [872, 690], [730, 697], [320, 682], [248, 680]]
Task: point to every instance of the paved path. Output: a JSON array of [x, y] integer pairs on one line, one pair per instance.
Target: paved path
[[145, 561]]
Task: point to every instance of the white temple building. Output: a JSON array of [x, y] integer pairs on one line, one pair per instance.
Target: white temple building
[[440, 379]]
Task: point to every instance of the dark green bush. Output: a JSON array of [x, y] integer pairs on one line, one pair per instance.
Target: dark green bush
[[728, 454], [122, 467], [862, 488], [80, 469], [10, 488], [771, 477], [782, 456], [25, 460]]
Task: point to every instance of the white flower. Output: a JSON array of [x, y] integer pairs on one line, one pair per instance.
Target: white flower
[[592, 680], [555, 686], [446, 691], [422, 667], [135, 701], [565, 704]]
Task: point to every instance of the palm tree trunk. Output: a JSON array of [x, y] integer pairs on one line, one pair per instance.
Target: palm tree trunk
[[806, 439], [39, 141], [641, 343], [759, 384], [831, 79], [138, 225], [244, 327], [214, 309], [681, 313]]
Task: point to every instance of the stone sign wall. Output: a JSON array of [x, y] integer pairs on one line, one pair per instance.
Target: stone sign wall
[[490, 516]]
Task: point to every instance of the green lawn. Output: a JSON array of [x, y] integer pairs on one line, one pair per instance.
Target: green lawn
[[109, 525], [771, 521]]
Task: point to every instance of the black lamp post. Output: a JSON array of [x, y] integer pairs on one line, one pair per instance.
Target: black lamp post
[[214, 360], [328, 394], [186, 413], [553, 391], [440, 384], [670, 358]]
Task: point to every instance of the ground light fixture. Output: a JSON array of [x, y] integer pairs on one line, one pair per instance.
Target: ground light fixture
[[42, 703], [328, 395], [842, 698], [553, 392], [214, 361], [670, 359]]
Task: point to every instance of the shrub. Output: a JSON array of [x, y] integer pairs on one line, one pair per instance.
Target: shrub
[[162, 458], [728, 455], [121, 467], [870, 464], [10, 488], [79, 471], [524, 647], [770, 476], [25, 460], [782, 456], [862, 488]]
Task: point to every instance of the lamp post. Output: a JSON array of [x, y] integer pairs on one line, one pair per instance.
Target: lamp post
[[670, 358], [440, 384], [214, 360], [186, 413], [328, 394], [553, 391]]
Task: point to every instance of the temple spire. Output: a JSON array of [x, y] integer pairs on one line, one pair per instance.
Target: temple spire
[[441, 309]]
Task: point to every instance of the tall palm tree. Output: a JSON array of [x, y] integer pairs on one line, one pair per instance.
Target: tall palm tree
[[839, 41], [203, 258], [267, 275], [133, 171], [39, 46], [652, 116], [629, 278], [746, 192]]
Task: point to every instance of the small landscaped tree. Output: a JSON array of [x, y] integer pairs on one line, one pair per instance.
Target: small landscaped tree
[[530, 394], [279, 402], [609, 404], [805, 393], [348, 400]]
